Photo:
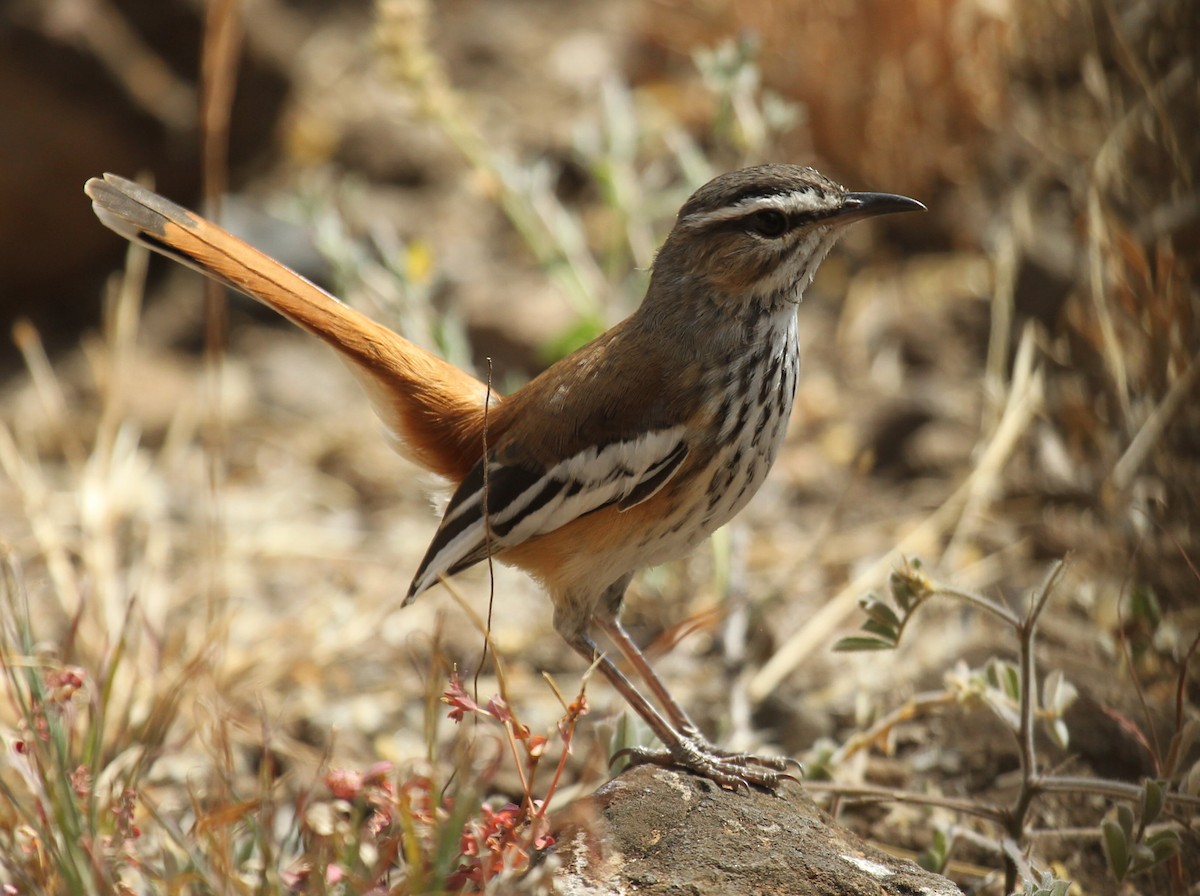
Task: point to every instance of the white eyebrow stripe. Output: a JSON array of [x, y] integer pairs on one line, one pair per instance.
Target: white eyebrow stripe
[[795, 202]]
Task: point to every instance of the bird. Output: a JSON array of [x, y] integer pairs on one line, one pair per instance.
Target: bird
[[623, 455]]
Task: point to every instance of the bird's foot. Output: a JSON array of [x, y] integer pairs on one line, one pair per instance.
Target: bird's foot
[[730, 770], [777, 763]]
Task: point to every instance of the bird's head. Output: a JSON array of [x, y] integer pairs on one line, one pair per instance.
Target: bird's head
[[755, 237]]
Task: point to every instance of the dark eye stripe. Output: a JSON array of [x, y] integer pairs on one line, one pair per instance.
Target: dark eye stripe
[[746, 222]]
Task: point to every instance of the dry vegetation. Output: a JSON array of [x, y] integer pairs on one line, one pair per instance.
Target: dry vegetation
[[208, 684]]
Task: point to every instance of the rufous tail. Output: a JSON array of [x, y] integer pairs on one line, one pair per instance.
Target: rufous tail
[[435, 409]]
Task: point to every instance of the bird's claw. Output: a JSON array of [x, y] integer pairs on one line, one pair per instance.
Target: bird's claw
[[729, 770], [778, 763]]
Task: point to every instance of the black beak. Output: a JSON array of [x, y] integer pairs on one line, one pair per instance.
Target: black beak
[[857, 206]]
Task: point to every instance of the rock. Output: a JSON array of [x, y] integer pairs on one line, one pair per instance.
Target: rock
[[662, 831]]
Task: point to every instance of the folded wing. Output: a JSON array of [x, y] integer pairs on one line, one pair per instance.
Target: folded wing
[[525, 500]]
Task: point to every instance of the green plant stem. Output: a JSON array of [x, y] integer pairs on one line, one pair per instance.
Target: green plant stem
[[558, 772], [526, 781]]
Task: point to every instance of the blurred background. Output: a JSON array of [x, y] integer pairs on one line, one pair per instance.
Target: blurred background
[[1005, 381]]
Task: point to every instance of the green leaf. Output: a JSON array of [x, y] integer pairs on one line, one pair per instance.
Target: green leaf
[[887, 632], [1143, 858], [851, 644], [1116, 848], [1012, 682], [1143, 605], [880, 612], [1004, 677], [1191, 781], [817, 761], [1125, 819], [935, 857], [902, 590], [1048, 885], [1164, 844], [1181, 746], [1152, 802]]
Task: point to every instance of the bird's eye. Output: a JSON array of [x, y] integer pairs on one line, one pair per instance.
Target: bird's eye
[[769, 223]]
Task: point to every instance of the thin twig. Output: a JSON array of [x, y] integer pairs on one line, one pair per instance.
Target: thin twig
[[1119, 790], [1014, 856], [912, 797], [1000, 332], [1027, 750], [1089, 834], [982, 602], [574, 711], [487, 536]]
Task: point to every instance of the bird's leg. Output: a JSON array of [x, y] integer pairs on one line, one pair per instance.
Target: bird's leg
[[663, 730], [676, 713], [683, 745], [680, 720], [680, 750], [608, 620]]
